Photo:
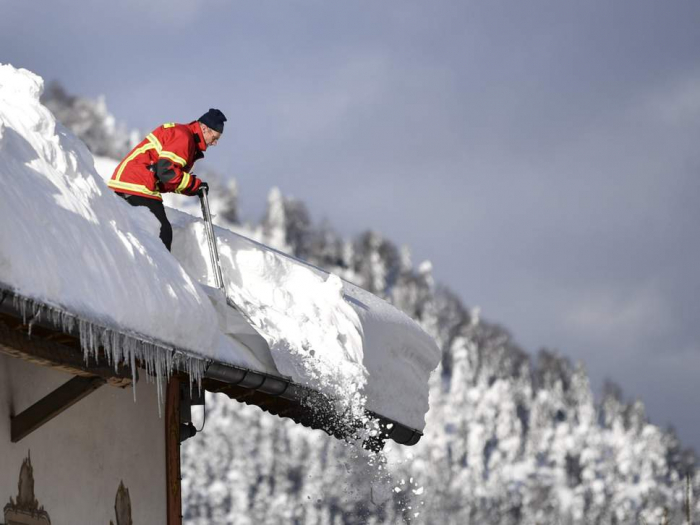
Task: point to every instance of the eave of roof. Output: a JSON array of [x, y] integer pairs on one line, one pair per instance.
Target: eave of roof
[[277, 395]]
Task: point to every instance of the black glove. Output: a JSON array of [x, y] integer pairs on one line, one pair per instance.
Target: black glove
[[203, 188]]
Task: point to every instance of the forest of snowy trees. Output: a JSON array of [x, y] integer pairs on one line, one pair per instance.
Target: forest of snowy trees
[[510, 437]]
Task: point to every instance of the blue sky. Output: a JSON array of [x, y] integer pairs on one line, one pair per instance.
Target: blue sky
[[542, 154]]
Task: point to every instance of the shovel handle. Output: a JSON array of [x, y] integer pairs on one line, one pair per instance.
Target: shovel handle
[[211, 240]]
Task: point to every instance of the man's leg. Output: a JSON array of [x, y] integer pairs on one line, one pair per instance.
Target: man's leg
[[157, 208]]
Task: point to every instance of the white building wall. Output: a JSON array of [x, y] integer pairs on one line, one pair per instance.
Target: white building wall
[[80, 457]]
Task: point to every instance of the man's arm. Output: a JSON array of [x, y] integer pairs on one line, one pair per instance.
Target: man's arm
[[169, 168], [174, 179]]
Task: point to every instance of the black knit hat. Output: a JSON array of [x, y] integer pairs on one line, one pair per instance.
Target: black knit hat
[[214, 119]]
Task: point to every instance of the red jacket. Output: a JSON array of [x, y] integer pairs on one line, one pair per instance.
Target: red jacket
[[161, 162]]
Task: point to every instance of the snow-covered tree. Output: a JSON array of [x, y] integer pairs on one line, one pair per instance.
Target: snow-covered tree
[[90, 121]]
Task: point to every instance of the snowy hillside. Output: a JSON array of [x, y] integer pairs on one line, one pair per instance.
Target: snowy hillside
[[510, 438]]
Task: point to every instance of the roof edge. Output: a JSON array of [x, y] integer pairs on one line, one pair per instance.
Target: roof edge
[[278, 395]]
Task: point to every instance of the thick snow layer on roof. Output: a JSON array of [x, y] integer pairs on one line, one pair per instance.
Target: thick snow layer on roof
[[68, 241]]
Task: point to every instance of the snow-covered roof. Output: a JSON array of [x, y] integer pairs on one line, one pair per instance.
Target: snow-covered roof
[[70, 246]]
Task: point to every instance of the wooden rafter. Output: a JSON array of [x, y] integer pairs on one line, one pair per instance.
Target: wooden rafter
[[52, 405], [60, 352]]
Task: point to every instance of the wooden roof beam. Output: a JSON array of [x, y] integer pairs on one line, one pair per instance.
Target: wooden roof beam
[[52, 405]]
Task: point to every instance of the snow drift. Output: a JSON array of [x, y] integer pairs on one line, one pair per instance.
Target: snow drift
[[321, 331], [69, 242]]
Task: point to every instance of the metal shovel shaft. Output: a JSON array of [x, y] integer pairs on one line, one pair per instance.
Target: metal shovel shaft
[[214, 254], [211, 240]]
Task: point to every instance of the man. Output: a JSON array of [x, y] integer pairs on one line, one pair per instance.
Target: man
[[161, 163]]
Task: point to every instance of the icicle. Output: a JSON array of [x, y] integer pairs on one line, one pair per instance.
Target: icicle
[[132, 364], [35, 318], [158, 360]]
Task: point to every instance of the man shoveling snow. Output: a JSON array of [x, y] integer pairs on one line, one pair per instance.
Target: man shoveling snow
[[161, 163]]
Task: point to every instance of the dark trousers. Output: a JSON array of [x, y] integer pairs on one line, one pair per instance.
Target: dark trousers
[[157, 209]]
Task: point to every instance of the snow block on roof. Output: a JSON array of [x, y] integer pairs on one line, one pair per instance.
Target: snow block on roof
[[322, 332]]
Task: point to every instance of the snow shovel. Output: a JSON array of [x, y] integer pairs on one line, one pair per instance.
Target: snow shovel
[[214, 253], [240, 326], [211, 240]]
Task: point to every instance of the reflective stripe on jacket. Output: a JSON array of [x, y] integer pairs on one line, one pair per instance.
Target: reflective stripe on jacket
[[161, 162]]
